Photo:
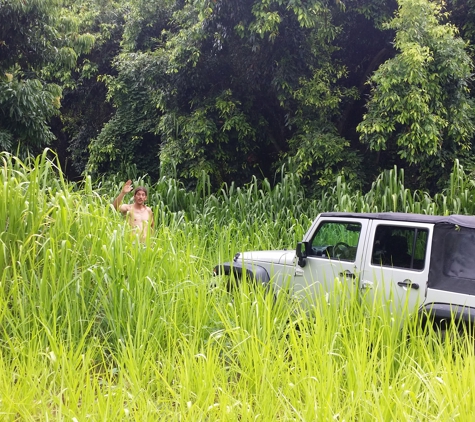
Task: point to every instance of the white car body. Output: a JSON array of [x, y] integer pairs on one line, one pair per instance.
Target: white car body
[[432, 268]]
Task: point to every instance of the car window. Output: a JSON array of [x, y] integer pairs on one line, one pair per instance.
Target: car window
[[401, 247], [458, 255], [336, 240]]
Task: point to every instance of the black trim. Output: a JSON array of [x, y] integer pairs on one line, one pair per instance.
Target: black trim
[[255, 272], [459, 220], [445, 311]]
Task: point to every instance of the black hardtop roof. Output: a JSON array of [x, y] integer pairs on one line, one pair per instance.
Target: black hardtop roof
[[460, 220]]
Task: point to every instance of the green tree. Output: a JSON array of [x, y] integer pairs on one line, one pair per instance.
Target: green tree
[[420, 105], [134, 82], [39, 46], [84, 106], [223, 86], [462, 14]]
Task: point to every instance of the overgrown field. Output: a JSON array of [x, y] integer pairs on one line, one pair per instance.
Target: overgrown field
[[96, 327]]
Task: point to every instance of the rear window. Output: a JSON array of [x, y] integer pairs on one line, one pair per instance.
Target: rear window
[[452, 265], [400, 247], [459, 260]]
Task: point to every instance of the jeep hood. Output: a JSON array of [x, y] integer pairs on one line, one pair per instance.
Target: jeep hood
[[276, 257]]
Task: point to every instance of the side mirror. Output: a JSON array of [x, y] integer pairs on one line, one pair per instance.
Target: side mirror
[[301, 252]]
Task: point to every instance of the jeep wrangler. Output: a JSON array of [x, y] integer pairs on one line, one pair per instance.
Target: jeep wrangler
[[423, 263]]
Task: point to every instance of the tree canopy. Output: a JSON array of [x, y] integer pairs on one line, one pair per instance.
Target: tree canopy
[[420, 99], [39, 46], [238, 89]]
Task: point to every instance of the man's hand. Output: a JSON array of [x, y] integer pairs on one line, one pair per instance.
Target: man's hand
[[125, 190], [127, 187]]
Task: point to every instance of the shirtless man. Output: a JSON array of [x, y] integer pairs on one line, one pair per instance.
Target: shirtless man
[[139, 215]]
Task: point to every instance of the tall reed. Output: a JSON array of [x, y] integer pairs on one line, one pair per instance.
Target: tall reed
[[98, 327]]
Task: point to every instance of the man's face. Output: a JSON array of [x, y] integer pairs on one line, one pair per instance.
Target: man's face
[[140, 197]]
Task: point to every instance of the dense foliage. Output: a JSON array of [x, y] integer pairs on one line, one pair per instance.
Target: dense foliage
[[238, 89], [420, 104], [39, 47]]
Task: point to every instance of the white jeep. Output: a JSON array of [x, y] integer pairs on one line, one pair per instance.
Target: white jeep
[[421, 262]]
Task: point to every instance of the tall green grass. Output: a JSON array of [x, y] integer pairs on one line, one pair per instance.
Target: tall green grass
[[97, 327]]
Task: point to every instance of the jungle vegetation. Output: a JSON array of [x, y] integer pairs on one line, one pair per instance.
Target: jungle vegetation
[[238, 89]]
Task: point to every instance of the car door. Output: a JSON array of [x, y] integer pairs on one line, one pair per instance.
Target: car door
[[334, 255], [396, 265]]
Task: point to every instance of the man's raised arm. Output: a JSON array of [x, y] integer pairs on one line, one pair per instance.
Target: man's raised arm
[[125, 190]]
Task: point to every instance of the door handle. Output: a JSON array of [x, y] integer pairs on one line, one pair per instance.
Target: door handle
[[347, 274], [408, 283]]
